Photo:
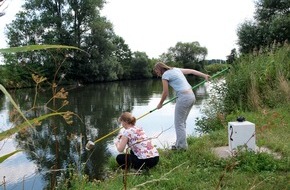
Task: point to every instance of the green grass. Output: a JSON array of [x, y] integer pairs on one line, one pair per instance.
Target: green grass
[[200, 168]]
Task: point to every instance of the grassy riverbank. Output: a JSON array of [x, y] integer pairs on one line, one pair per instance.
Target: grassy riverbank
[[200, 168], [258, 84]]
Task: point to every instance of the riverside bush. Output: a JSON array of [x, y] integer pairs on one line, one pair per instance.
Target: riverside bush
[[214, 109], [257, 82], [253, 83], [214, 68]]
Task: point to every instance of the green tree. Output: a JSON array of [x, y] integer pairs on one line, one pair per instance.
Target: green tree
[[232, 57], [124, 56], [67, 22], [269, 9], [190, 55], [140, 66], [249, 36], [271, 24]]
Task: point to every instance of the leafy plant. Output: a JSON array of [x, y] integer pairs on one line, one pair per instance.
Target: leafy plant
[[214, 110], [35, 121], [256, 162]]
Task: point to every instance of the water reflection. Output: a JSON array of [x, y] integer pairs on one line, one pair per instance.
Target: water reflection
[[55, 147], [18, 171]]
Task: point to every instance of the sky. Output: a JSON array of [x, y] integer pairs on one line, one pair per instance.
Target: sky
[[10, 8], [153, 26]]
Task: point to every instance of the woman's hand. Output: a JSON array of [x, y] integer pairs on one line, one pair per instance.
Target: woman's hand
[[207, 77], [159, 106]]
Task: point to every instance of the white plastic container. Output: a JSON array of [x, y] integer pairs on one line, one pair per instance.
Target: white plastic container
[[242, 134]]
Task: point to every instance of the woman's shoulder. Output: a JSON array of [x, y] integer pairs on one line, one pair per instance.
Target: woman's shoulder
[[173, 69], [176, 69]]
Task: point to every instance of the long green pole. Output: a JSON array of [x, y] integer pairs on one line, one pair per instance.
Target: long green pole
[[194, 87]]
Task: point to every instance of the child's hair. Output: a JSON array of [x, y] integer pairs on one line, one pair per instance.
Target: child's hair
[[128, 118]]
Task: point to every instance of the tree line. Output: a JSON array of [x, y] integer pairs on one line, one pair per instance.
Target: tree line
[[79, 24], [108, 57]]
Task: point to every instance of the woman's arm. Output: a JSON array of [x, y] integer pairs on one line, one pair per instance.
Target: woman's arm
[[120, 145], [195, 72], [164, 93]]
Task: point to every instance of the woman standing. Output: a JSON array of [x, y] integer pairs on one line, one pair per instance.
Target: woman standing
[[142, 152], [175, 77]]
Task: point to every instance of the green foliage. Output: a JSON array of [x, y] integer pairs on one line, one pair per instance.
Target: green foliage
[[35, 48], [18, 74], [267, 10], [215, 67], [124, 57], [112, 164], [140, 66], [258, 82], [208, 124], [272, 21], [250, 161], [219, 138], [214, 109], [253, 83], [2, 73], [215, 61], [75, 181], [74, 23], [232, 57], [250, 36], [189, 55], [22, 123]]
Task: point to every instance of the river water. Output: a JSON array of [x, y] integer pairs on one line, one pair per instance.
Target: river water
[[53, 148]]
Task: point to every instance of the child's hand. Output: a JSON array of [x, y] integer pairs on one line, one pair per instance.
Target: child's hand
[[117, 139]]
